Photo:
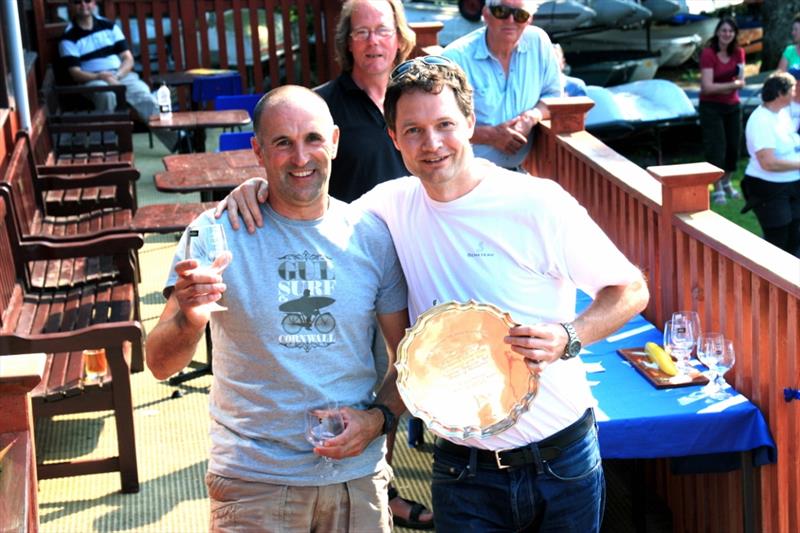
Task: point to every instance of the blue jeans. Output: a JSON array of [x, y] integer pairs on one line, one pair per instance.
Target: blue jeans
[[567, 495]]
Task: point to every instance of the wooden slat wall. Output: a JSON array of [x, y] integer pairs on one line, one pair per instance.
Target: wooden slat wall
[[695, 259], [309, 32]]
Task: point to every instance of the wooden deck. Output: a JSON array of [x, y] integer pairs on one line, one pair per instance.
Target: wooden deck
[[659, 217]]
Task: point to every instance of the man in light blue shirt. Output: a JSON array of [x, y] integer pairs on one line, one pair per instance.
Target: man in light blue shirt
[[511, 65]]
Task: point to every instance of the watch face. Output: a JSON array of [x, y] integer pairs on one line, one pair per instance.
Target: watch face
[[574, 348]]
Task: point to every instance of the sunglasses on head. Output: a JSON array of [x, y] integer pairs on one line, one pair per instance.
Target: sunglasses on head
[[502, 12], [405, 66]]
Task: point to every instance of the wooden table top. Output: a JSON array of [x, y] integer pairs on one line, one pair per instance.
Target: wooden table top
[[232, 159], [186, 181], [188, 120]]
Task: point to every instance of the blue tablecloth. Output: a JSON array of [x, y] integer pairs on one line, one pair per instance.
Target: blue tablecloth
[[206, 88], [636, 420]]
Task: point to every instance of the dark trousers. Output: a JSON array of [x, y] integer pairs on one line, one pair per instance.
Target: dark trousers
[[561, 495], [777, 208], [722, 133]]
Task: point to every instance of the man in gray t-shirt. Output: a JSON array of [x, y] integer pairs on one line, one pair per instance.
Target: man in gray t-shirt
[[299, 305]]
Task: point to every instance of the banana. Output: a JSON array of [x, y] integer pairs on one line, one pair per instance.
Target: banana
[[657, 354]]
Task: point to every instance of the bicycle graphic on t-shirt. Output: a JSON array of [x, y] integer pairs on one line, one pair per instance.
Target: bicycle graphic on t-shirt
[[303, 313]]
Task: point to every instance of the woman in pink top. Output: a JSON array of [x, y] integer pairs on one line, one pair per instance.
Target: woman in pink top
[[721, 77]]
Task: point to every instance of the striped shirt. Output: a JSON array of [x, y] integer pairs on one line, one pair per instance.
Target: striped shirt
[[93, 50]]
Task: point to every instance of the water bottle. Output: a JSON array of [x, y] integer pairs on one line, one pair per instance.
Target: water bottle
[[164, 100]]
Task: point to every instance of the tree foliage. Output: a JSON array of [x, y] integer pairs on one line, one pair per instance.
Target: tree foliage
[[777, 18]]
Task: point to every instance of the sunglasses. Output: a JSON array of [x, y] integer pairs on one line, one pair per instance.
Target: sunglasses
[[502, 12], [405, 66]]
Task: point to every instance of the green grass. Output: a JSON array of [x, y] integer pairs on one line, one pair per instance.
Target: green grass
[[732, 209], [684, 145]]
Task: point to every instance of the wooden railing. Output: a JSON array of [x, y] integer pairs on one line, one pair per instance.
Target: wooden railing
[[695, 259]]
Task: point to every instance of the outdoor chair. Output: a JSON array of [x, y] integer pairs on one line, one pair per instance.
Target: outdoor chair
[[63, 323], [104, 144], [75, 148], [88, 221], [237, 101], [67, 101], [235, 140]]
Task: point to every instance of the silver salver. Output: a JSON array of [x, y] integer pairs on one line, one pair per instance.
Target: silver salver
[[458, 376]]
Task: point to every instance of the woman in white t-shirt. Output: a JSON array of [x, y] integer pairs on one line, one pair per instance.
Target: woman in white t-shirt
[[772, 177]]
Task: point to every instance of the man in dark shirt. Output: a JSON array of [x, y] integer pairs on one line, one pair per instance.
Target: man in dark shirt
[[371, 38], [366, 154]]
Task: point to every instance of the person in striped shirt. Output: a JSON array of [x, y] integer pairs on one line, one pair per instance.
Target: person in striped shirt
[[95, 53]]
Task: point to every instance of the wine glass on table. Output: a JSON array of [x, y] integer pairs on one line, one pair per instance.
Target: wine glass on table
[[323, 422], [725, 362], [682, 337], [207, 245], [694, 318], [709, 350]]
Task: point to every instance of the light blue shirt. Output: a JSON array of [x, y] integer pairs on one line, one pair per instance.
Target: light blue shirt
[[533, 74]]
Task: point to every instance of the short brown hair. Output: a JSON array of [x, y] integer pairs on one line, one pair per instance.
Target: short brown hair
[[430, 78], [406, 36]]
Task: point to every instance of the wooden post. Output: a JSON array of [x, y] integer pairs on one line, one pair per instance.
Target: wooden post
[[427, 38], [332, 10], [684, 189], [19, 374], [567, 115]]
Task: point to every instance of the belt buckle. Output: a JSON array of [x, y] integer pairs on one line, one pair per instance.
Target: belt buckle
[[498, 460]]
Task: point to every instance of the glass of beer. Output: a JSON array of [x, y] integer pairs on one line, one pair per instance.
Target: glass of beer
[[95, 365]]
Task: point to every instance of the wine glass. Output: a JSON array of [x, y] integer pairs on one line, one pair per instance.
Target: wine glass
[[710, 347], [682, 338], [724, 363], [323, 422], [207, 245], [694, 317], [668, 337]]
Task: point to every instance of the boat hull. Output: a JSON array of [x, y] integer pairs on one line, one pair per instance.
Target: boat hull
[[612, 67], [673, 49]]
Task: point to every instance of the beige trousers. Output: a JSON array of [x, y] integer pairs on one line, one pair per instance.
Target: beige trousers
[[360, 505]]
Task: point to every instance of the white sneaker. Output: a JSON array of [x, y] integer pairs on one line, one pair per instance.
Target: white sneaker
[[731, 192], [718, 198]]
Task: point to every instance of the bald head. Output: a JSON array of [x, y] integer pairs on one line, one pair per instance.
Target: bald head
[[291, 96], [295, 142]]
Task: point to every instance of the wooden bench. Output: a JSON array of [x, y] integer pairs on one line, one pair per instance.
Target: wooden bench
[[18, 505], [106, 144], [63, 323], [80, 149], [28, 187]]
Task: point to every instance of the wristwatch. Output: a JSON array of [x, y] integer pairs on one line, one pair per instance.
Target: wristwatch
[[389, 420], [574, 344]]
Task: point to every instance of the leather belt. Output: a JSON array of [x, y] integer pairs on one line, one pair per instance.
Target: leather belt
[[548, 449]]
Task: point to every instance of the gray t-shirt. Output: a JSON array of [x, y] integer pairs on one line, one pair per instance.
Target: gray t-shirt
[[301, 296]]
